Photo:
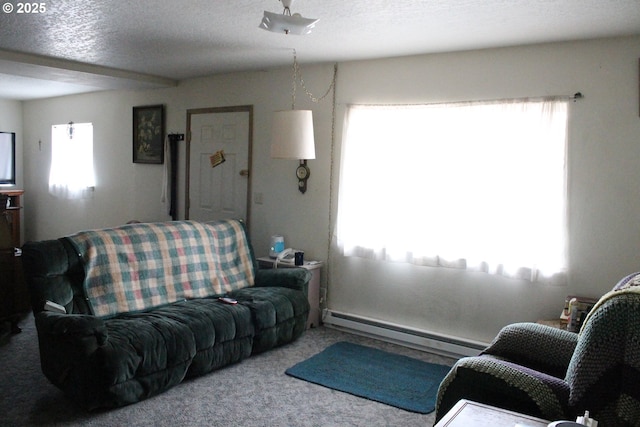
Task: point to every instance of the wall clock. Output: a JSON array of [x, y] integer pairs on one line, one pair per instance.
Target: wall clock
[[303, 173]]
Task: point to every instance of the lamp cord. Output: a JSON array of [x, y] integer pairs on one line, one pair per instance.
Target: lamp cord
[[331, 172], [297, 75], [294, 79]]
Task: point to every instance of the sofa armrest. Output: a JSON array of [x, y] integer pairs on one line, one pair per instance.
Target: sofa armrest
[[294, 278], [77, 334], [66, 341], [540, 347]]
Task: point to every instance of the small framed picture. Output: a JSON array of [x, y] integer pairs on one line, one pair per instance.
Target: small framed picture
[[148, 134]]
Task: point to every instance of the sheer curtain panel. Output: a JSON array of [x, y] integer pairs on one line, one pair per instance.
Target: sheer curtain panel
[[71, 174], [479, 186]]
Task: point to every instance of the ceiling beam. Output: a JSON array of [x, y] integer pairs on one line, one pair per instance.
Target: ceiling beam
[[63, 70]]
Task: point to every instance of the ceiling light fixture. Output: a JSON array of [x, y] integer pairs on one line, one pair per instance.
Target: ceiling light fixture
[[286, 22]]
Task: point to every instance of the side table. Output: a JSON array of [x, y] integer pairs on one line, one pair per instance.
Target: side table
[[466, 413], [314, 285]]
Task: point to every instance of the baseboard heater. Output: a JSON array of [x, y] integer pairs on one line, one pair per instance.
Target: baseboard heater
[[408, 337]]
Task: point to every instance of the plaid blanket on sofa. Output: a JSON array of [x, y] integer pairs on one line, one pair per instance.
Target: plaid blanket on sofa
[[140, 266]]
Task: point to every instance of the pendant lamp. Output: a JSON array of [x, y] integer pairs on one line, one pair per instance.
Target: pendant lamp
[[292, 130]]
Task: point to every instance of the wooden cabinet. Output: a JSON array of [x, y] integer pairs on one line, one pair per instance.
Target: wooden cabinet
[[14, 298], [13, 214]]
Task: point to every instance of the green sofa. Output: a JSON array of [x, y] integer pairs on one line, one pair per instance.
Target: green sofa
[[142, 309]]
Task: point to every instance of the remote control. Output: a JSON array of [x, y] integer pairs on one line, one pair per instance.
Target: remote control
[[227, 300], [52, 306]]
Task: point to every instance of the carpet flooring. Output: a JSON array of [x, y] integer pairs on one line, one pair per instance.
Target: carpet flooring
[[254, 392]]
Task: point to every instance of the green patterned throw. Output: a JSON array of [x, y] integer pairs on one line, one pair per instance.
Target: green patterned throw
[[140, 266]]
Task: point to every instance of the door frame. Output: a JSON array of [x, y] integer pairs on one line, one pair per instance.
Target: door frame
[[210, 110]]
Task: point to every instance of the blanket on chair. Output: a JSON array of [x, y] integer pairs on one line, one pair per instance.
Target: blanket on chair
[[141, 266], [627, 285]]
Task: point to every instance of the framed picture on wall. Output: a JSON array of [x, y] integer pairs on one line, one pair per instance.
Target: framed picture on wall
[[148, 134]]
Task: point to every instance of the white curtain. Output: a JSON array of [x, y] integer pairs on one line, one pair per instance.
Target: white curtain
[[71, 174], [479, 186]]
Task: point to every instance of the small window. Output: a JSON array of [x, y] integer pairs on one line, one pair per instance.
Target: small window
[[72, 174], [7, 158]]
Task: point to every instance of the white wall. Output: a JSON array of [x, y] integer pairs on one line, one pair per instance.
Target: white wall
[[126, 191], [603, 148]]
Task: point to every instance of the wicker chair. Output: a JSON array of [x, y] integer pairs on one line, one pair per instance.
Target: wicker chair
[[554, 374]]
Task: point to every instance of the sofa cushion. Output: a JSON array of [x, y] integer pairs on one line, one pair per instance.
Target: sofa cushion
[[140, 266], [223, 333], [279, 314], [146, 353]]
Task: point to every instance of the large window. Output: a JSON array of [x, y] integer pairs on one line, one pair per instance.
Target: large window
[[71, 175], [480, 186]]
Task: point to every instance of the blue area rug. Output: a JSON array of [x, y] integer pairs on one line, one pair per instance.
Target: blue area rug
[[388, 378]]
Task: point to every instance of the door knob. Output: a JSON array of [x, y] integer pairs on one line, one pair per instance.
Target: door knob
[[244, 172]]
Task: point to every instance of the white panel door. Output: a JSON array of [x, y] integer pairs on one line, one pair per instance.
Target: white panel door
[[217, 192]]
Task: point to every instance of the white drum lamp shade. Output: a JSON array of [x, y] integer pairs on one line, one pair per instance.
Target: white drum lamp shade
[[292, 135]]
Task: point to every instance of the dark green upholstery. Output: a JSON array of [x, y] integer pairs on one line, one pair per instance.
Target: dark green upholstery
[[109, 362], [278, 317], [558, 375]]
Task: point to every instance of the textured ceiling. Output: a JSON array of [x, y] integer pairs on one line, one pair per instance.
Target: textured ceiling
[[79, 46]]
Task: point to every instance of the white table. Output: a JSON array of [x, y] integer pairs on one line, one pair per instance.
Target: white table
[[466, 413]]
